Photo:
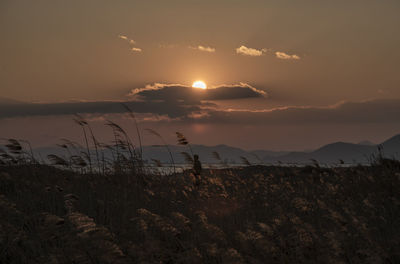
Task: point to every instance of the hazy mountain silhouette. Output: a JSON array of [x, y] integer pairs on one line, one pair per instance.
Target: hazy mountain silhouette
[[9, 101], [227, 154], [332, 153], [366, 142], [391, 147], [347, 152]]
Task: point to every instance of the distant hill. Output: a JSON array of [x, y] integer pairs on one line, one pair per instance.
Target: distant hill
[[227, 154], [366, 142], [391, 147], [347, 152], [8, 101], [331, 154], [267, 154]]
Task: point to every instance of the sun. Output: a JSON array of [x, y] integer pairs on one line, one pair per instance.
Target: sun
[[199, 84]]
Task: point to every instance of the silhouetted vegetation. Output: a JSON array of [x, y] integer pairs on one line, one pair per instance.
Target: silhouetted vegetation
[[88, 208]]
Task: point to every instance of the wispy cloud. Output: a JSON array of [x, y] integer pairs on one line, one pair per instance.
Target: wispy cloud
[[136, 49], [171, 109], [123, 37], [180, 102], [340, 113], [131, 42], [204, 48], [285, 56], [250, 51]]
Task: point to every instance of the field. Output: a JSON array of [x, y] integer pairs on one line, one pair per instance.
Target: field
[[253, 214]]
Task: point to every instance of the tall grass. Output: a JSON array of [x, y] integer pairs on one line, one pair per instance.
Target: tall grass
[[155, 133], [238, 215], [132, 115], [114, 211]]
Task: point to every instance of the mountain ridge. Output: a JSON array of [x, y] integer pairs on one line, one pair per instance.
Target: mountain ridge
[[333, 153]]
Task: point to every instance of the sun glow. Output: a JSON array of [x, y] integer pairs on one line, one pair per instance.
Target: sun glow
[[199, 84]]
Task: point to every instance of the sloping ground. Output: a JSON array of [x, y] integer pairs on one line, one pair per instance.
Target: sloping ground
[[246, 215]]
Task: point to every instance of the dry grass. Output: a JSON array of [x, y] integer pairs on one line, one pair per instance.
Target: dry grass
[[247, 215], [90, 208]]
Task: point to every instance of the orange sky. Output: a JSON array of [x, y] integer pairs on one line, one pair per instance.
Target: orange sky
[[309, 53]]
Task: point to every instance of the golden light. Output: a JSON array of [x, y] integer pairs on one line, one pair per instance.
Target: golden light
[[199, 84]]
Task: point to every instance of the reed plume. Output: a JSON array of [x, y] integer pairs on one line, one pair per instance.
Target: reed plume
[[132, 115], [57, 160], [82, 123], [245, 161], [188, 157], [182, 140], [155, 133]]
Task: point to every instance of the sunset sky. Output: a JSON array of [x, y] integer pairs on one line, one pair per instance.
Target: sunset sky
[[280, 74]]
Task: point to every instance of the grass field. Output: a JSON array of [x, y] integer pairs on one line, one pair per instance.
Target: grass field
[[253, 214], [98, 203]]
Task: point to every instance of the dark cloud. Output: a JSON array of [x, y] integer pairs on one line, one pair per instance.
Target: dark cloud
[[171, 109], [174, 92], [374, 111]]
